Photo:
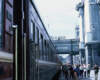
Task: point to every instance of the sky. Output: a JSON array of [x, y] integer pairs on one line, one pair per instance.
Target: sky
[[59, 16]]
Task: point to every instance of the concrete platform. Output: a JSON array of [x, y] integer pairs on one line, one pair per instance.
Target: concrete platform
[[92, 76]]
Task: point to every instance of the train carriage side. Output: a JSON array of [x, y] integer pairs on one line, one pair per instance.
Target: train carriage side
[[43, 56], [6, 39]]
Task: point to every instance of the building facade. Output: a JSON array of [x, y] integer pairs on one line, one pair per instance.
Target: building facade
[[89, 24]]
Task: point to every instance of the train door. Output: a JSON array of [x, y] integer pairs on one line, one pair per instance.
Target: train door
[[32, 52]]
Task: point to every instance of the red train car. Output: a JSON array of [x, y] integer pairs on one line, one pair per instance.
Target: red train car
[[6, 40]]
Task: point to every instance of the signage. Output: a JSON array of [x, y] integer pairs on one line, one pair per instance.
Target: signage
[[57, 37]]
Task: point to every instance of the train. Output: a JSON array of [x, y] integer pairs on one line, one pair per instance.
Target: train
[[32, 55]]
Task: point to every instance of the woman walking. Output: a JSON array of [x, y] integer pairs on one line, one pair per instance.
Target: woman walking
[[88, 70], [85, 70], [81, 71]]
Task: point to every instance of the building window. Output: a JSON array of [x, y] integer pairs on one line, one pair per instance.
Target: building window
[[1, 23]]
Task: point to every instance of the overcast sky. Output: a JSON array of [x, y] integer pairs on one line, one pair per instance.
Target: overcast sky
[[59, 16]]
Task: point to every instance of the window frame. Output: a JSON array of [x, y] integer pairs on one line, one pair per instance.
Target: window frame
[[2, 24], [32, 30]]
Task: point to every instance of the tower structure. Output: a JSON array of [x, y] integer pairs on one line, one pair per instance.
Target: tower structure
[[89, 25]]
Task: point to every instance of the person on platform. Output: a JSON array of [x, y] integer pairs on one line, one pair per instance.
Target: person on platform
[[71, 69], [96, 70], [88, 70], [84, 70], [81, 71], [75, 77], [78, 70], [66, 72]]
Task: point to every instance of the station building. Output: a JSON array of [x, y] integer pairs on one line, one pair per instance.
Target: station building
[[89, 24]]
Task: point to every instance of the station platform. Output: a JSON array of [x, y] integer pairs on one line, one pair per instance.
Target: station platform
[[92, 76]]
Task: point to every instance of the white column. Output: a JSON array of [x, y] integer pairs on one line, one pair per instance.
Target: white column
[[81, 28], [88, 35]]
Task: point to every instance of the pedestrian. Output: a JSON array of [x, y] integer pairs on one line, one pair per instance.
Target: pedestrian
[[75, 77], [71, 69], [88, 70], [78, 70], [85, 70], [66, 72], [96, 70], [81, 71], [74, 67]]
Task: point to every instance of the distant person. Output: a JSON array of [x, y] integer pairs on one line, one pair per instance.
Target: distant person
[[66, 72], [84, 70], [71, 69], [75, 77], [81, 71], [78, 70], [74, 67], [96, 70], [61, 68], [88, 70]]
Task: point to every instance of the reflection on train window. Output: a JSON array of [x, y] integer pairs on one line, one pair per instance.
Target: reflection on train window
[[32, 30], [47, 51], [65, 47], [49, 54], [58, 47], [44, 49], [41, 44], [1, 25], [1, 71], [61, 47], [37, 42]]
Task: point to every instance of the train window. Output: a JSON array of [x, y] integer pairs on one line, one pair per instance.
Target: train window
[[32, 30], [1, 25], [1, 71], [41, 44], [37, 34], [37, 41], [51, 56], [61, 47], [45, 50]]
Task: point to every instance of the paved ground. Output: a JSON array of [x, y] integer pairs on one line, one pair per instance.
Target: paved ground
[[92, 76]]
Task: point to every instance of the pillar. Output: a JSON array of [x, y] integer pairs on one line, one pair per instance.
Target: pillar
[[88, 54], [82, 56], [96, 54], [87, 19], [71, 58], [81, 28]]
